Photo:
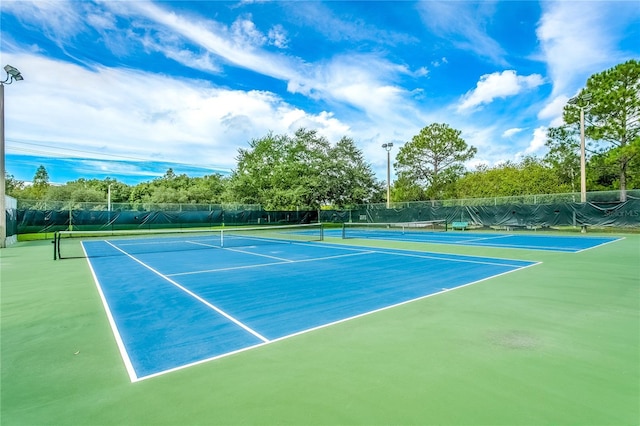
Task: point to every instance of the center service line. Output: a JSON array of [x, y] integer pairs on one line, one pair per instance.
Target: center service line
[[192, 294]]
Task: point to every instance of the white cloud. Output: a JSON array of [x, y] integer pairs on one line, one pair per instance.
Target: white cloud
[[498, 85], [102, 21], [244, 29], [579, 39], [278, 37], [553, 110], [238, 45], [440, 62], [537, 142], [362, 81], [510, 132], [106, 113], [482, 137], [59, 19], [319, 16], [421, 72], [463, 24]]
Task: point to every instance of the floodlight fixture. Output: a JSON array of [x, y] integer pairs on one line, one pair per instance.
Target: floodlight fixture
[[13, 74], [579, 99]]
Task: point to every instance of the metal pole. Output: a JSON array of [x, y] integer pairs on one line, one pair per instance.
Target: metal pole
[[583, 175], [388, 178], [12, 75], [388, 146], [3, 210], [109, 204]]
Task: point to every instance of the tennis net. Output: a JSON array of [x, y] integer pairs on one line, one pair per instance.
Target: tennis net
[[76, 244], [376, 230]]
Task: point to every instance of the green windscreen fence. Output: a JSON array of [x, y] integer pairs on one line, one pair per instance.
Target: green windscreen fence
[[11, 216], [609, 214], [508, 215]]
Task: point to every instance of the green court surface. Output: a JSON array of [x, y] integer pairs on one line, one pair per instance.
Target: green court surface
[[556, 343]]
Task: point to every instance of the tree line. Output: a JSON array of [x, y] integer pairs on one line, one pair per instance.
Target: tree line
[[305, 170]]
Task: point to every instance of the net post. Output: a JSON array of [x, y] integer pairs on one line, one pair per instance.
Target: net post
[[344, 230], [222, 238], [55, 245], [321, 231]]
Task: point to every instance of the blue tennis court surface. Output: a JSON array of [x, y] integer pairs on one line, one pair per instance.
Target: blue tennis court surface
[[568, 244], [173, 309]]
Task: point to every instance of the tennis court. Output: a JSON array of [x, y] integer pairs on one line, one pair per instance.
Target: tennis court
[[555, 343], [415, 233], [181, 300]]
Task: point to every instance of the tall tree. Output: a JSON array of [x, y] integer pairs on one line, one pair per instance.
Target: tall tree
[[252, 178], [611, 103], [40, 184], [434, 158], [284, 172], [349, 178]]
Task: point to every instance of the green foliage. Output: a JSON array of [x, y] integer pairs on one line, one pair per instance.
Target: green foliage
[[40, 183], [36, 191], [563, 155], [433, 159], [172, 188], [75, 192], [283, 173], [13, 186], [611, 104], [350, 179], [530, 176], [405, 189]]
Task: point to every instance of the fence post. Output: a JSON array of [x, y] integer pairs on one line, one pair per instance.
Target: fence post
[[70, 217]]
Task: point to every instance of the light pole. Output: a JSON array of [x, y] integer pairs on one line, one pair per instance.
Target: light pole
[[388, 147], [12, 75], [109, 204], [109, 198], [581, 102]]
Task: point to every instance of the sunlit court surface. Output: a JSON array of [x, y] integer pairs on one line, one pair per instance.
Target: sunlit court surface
[[529, 240], [196, 299], [299, 325]]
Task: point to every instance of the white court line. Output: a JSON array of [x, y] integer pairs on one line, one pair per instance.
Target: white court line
[[114, 328], [155, 242], [241, 251], [516, 268], [484, 238], [600, 245], [233, 268], [195, 296], [456, 260], [555, 249], [411, 253]]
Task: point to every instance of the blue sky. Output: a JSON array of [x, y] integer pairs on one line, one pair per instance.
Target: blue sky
[[127, 89]]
